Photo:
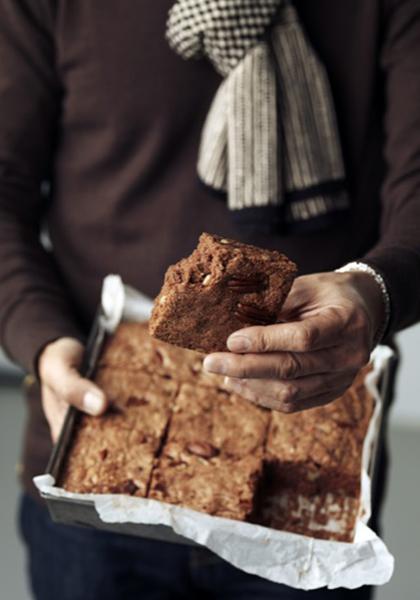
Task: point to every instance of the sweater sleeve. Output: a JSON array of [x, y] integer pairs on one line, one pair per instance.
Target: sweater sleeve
[[397, 254], [34, 303]]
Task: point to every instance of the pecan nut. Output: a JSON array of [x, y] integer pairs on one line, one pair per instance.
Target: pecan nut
[[136, 401], [247, 285], [202, 449], [249, 313], [125, 487]]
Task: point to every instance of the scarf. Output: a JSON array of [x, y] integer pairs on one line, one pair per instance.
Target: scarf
[[270, 140]]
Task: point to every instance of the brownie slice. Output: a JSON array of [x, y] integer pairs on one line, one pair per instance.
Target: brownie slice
[[221, 287], [132, 348], [313, 467], [219, 487], [115, 453], [213, 457]]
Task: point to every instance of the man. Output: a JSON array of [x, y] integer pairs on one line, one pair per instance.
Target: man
[[94, 101]]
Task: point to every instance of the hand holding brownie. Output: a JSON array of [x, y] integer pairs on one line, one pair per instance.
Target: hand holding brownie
[[289, 350], [312, 359]]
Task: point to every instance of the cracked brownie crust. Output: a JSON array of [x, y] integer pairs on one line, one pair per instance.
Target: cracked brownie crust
[[222, 287]]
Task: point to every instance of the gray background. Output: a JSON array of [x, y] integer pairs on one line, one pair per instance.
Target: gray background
[[401, 517]]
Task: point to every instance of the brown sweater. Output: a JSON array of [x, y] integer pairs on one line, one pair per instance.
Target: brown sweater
[[93, 100]]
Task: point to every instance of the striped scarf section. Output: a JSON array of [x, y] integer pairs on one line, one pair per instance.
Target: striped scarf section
[[270, 140]]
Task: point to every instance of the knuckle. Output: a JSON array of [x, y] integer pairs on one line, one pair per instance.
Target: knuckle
[[243, 371], [340, 317], [288, 408], [306, 338], [264, 339], [242, 367], [289, 392], [292, 367]]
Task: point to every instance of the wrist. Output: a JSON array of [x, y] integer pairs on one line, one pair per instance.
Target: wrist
[[372, 289]]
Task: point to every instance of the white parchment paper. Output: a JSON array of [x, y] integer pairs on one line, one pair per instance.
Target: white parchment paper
[[295, 560]]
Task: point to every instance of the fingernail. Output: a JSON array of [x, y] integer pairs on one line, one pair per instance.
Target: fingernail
[[214, 365], [93, 403], [239, 343]]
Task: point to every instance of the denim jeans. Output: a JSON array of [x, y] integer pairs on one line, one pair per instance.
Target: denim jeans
[[73, 563]]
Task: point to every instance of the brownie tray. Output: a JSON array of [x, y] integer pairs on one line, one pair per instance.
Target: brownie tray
[[82, 512]]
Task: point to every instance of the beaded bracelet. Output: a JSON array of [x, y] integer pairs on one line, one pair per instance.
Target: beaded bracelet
[[364, 268]]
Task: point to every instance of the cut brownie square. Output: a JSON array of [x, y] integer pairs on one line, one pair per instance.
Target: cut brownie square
[[213, 457], [313, 469], [220, 487], [231, 425], [223, 286], [115, 453]]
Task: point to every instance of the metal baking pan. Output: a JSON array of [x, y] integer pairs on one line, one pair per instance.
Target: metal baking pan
[[82, 512]]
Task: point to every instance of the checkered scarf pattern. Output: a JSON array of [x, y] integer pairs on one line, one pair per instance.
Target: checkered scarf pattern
[[270, 140]]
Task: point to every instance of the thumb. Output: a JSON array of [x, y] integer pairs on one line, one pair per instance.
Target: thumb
[[73, 389], [59, 365]]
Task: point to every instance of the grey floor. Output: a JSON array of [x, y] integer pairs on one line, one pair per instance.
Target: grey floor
[[401, 519]]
